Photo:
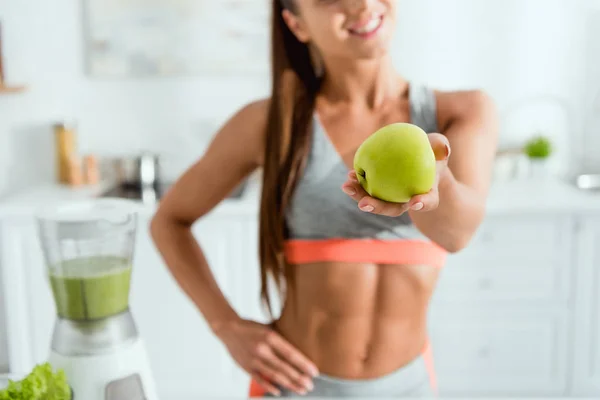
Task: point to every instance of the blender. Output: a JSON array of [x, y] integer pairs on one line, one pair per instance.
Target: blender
[[88, 248]]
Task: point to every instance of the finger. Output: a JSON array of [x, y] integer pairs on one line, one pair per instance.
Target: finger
[[380, 207], [275, 376], [440, 145], [352, 176], [265, 384], [425, 202], [298, 382], [291, 355], [354, 190]]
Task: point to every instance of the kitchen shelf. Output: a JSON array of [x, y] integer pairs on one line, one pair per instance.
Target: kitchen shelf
[[11, 89]]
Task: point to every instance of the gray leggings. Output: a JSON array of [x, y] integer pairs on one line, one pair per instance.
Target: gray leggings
[[410, 381]]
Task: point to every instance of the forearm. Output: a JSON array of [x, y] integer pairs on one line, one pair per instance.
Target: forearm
[[457, 217], [187, 263]]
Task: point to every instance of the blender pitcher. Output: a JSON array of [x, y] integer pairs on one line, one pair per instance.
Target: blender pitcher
[[88, 248]]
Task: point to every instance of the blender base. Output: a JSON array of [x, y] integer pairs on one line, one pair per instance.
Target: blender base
[[124, 374]]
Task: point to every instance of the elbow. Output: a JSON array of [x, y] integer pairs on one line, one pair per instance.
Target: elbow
[[456, 243], [156, 226], [159, 223], [461, 238], [164, 224]]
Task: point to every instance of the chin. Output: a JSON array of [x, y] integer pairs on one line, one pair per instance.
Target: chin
[[371, 54], [378, 49]]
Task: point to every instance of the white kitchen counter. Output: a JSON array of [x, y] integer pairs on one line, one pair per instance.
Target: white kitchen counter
[[505, 198], [541, 197], [24, 203]]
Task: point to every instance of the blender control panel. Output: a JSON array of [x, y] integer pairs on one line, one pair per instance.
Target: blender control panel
[[128, 388]]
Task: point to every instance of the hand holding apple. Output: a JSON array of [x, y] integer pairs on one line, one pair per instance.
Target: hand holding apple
[[396, 169]]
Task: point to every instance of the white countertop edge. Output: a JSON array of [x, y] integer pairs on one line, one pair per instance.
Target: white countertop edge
[[505, 198]]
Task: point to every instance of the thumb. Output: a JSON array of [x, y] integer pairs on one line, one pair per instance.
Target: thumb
[[440, 146]]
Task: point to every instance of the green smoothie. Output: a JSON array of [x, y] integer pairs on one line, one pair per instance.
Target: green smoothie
[[91, 288]]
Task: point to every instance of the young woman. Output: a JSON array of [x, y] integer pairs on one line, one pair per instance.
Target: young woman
[[356, 273]]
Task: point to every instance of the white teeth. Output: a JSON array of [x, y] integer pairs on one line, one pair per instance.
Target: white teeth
[[369, 26]]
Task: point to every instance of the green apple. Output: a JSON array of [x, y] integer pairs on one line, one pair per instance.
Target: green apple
[[396, 163]]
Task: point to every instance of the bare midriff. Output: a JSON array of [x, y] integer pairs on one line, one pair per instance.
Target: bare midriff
[[358, 320]]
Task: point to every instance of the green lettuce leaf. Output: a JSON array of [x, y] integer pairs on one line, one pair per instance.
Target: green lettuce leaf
[[42, 383]]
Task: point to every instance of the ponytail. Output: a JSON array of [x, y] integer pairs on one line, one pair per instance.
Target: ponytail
[[287, 140]]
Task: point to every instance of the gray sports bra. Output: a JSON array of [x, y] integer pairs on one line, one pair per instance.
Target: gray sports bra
[[319, 209]]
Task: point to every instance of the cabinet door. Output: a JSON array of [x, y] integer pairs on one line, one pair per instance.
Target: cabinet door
[[37, 296], [4, 329], [186, 358], [483, 352], [512, 261], [4, 363], [586, 372], [15, 352], [501, 317]]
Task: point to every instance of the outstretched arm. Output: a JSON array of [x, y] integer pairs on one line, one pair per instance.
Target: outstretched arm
[[464, 184], [451, 213]]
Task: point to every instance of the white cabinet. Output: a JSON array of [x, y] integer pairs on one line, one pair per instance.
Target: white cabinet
[[586, 373], [498, 352], [501, 320], [512, 259], [4, 360], [15, 289], [40, 303]]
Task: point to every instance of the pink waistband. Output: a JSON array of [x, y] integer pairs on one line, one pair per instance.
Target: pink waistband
[[410, 252]]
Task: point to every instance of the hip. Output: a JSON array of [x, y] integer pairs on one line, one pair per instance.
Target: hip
[[415, 379]]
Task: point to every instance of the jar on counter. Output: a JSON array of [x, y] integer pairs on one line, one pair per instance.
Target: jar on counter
[[66, 152]]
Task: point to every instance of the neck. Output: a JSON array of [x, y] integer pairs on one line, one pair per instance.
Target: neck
[[367, 83]]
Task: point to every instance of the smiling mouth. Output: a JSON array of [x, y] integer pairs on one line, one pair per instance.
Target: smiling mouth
[[369, 28]]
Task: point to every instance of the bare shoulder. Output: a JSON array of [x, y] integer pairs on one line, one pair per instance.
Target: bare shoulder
[[464, 100], [476, 105], [255, 111], [246, 128]]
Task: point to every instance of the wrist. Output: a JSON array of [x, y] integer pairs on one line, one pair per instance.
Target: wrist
[[446, 179], [222, 326]]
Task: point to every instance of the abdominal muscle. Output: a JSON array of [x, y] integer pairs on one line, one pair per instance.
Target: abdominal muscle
[[358, 321]]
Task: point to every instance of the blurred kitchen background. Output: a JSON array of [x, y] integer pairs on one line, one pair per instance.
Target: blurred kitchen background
[[536, 57], [66, 86]]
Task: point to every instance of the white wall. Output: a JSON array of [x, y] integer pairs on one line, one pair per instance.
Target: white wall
[[591, 99], [515, 49], [527, 53]]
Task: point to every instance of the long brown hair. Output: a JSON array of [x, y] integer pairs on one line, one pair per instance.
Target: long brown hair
[[294, 88]]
